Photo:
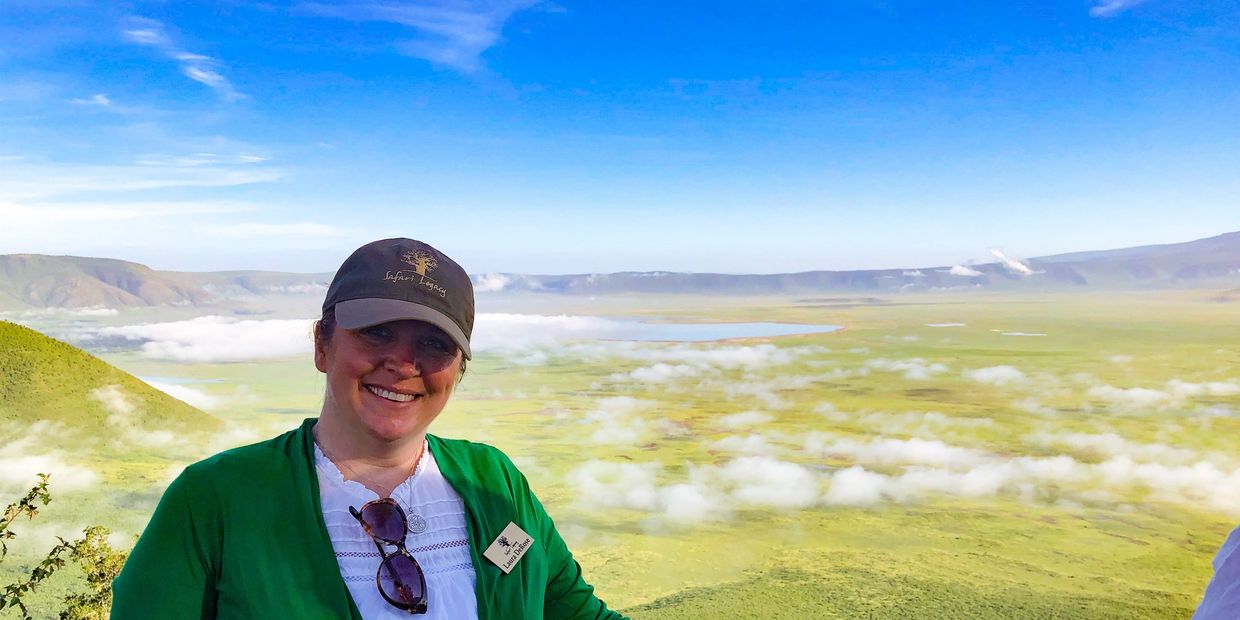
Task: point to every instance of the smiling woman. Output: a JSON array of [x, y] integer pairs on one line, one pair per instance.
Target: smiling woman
[[360, 513]]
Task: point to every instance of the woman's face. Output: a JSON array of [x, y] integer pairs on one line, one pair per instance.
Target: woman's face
[[391, 379]]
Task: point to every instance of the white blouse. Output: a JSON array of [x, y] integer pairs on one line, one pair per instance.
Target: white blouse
[[438, 538]]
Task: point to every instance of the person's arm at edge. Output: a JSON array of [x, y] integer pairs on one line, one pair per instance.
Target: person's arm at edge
[[169, 573], [1221, 599]]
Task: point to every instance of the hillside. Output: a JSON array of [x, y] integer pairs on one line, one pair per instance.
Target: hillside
[[40, 281], [45, 379]]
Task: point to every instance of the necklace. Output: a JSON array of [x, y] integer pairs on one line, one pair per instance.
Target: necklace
[[416, 522]]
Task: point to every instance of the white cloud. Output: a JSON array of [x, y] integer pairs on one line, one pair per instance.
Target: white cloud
[[913, 368], [603, 484], [120, 417], [1033, 405], [1199, 484], [1183, 389], [743, 444], [501, 331], [39, 313], [98, 99], [1111, 8], [659, 373], [451, 33], [1026, 476], [38, 182], [22, 459], [1110, 445], [692, 503], [616, 485], [767, 482], [885, 451], [617, 421], [218, 339], [961, 270], [855, 487], [287, 229], [1140, 398], [193, 397], [919, 423], [1177, 392], [1011, 264], [200, 159], [1026, 334], [490, 282], [197, 67], [744, 418], [996, 375]]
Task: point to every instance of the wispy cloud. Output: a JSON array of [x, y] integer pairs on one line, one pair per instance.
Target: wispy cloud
[[99, 99], [1111, 8], [197, 67], [961, 270], [267, 231], [914, 368], [449, 33], [1012, 264], [23, 214], [996, 375], [200, 159], [35, 181]]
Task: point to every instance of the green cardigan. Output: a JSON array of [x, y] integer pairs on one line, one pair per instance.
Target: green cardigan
[[241, 535]]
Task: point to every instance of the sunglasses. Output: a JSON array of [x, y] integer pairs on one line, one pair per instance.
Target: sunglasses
[[400, 578]]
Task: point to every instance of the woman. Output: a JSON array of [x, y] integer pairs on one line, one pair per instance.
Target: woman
[[360, 513]]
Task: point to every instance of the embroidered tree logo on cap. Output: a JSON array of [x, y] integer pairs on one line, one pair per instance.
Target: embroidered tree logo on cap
[[421, 260]]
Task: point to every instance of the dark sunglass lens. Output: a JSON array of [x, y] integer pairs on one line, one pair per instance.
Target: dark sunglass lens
[[401, 579], [386, 521]]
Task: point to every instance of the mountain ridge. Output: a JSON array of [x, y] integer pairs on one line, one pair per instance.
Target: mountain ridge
[[43, 281]]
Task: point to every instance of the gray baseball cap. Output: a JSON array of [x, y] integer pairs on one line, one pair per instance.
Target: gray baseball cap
[[403, 279]]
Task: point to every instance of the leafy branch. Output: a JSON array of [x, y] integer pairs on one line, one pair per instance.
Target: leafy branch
[[24, 506], [99, 562]]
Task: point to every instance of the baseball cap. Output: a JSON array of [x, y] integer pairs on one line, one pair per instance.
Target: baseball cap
[[403, 279]]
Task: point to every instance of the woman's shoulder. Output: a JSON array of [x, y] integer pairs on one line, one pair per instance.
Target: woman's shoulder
[[474, 460], [472, 451], [252, 462]]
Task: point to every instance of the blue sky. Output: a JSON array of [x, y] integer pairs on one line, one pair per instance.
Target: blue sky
[[540, 137]]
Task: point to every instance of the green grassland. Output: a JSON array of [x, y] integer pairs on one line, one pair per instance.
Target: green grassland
[[1050, 548]]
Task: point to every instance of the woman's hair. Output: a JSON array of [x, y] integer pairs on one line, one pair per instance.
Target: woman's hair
[[326, 326]]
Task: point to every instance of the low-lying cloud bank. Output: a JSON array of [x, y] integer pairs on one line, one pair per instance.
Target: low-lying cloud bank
[[218, 339], [529, 338], [1174, 394], [34, 451], [863, 473]]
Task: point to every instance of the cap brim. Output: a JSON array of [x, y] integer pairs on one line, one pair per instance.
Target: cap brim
[[359, 313]]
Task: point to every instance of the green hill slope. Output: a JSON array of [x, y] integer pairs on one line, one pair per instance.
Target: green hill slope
[[45, 379]]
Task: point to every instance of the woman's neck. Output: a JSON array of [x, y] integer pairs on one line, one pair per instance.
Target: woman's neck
[[378, 464]]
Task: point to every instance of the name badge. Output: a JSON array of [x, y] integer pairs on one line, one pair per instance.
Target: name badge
[[512, 543]]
